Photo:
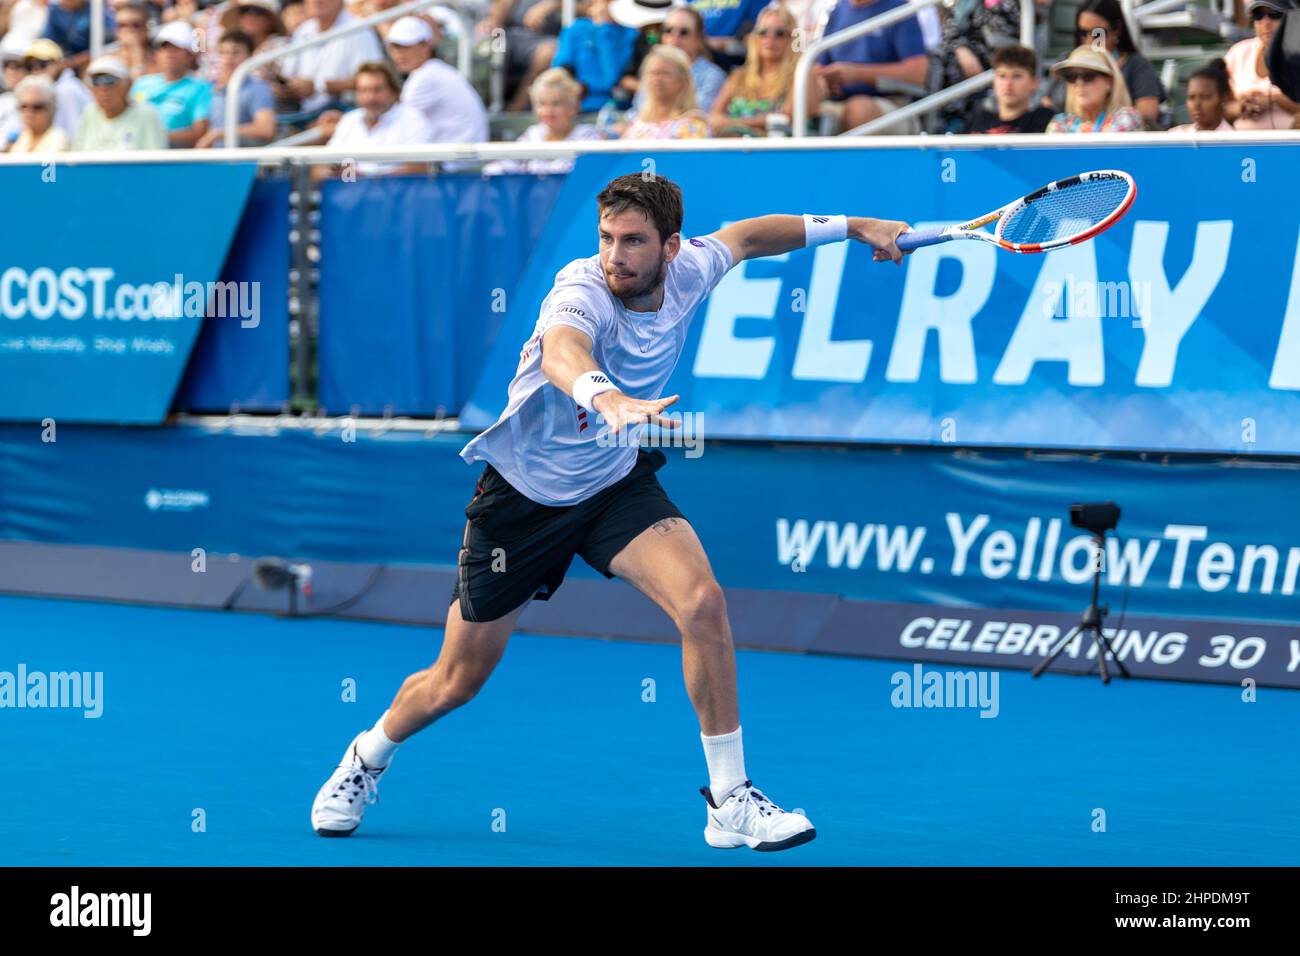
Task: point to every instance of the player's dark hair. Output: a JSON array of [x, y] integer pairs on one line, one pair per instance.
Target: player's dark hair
[[1216, 71], [659, 198], [1016, 56]]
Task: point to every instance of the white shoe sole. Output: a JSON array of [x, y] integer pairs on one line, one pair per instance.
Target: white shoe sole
[[722, 840]]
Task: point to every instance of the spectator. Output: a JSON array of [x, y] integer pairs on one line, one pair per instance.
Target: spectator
[[1015, 76], [1256, 103], [114, 123], [45, 56], [684, 29], [256, 102], [380, 119], [1096, 99], [183, 101], [847, 73], [260, 20], [135, 50], [595, 49], [647, 18], [293, 14], [764, 84], [670, 111], [726, 22], [322, 74], [1208, 94], [36, 102], [68, 24], [1098, 19], [555, 96], [452, 107], [22, 22], [207, 23], [11, 124], [530, 28], [969, 36]]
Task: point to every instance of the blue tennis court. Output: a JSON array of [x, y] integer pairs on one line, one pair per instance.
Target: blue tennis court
[[242, 716]]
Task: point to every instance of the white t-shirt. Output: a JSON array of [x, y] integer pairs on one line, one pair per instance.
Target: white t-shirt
[[452, 107], [543, 444], [401, 125], [336, 60]]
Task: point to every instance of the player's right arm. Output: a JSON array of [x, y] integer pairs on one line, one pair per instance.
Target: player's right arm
[[567, 357]]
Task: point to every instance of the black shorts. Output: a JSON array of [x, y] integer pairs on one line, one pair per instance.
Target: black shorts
[[514, 549]]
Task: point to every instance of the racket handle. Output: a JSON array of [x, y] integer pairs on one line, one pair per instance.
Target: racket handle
[[913, 239]]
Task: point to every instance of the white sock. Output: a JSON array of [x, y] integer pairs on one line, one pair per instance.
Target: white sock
[[725, 755], [374, 748]]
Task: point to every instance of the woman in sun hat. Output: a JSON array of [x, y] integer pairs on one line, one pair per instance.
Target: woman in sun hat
[[1097, 98]]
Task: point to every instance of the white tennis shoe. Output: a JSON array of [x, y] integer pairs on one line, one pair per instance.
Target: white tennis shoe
[[748, 818], [343, 799]]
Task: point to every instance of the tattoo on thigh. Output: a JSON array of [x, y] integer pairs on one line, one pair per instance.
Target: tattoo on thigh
[[669, 525]]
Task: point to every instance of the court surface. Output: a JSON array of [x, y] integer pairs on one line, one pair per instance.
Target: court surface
[[242, 715]]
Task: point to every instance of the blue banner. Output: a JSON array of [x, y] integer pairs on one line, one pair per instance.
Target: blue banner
[[106, 275], [1177, 329], [245, 365], [417, 275], [1218, 540]]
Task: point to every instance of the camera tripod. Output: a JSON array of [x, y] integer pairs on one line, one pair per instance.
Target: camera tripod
[[1090, 623]]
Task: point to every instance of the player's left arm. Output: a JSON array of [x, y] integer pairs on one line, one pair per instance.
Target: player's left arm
[[775, 234]]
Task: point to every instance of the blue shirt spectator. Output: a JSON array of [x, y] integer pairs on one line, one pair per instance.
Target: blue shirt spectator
[[893, 44], [68, 25], [179, 103], [595, 50], [254, 95]]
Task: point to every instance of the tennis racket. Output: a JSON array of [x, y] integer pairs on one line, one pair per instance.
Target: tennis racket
[[1062, 213]]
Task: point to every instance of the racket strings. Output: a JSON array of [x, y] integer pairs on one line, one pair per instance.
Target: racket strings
[[1064, 212]]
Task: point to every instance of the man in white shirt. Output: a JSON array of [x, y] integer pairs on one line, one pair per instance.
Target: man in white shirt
[[321, 74], [380, 120], [452, 107], [559, 483]]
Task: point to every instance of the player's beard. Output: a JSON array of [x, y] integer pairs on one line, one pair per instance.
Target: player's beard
[[644, 288]]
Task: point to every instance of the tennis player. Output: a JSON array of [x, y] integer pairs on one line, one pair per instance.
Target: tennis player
[[606, 341]]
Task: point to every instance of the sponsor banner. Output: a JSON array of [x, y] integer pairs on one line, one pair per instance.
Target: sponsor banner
[[1177, 329], [103, 288], [1212, 540], [1213, 651]]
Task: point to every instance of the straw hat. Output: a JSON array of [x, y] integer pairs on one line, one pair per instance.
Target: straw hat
[[1087, 58]]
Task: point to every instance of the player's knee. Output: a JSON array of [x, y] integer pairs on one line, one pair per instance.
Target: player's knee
[[703, 611]]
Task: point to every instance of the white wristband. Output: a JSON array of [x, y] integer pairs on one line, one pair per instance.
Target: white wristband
[[822, 229], [588, 385]]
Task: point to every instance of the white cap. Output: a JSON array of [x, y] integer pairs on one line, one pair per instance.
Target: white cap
[[12, 46], [408, 31], [177, 33], [110, 65]]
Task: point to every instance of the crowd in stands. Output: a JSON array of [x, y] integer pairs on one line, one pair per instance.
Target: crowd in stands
[[631, 69]]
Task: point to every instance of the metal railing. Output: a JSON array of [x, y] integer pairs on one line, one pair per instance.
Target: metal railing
[[969, 86], [261, 59]]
